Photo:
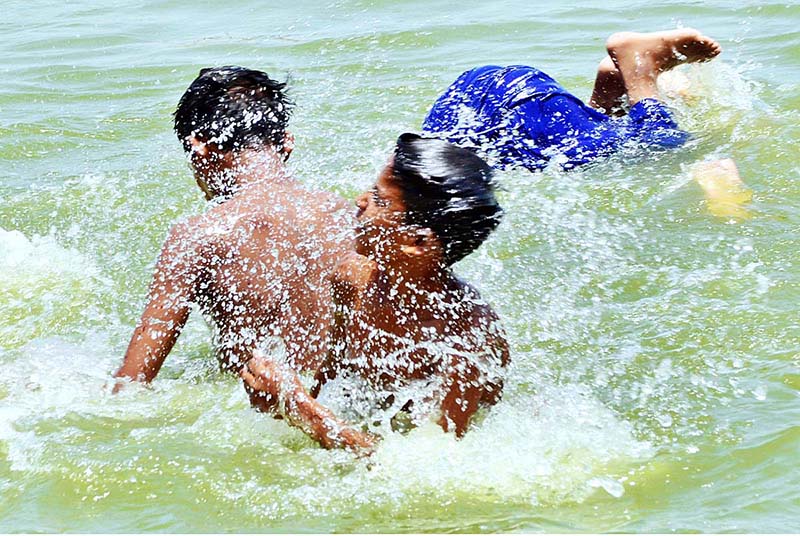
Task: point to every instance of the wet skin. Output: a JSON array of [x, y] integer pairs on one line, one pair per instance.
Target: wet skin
[[266, 260], [257, 264], [395, 297]]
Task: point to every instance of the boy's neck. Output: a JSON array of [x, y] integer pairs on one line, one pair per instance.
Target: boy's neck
[[247, 168], [259, 166], [417, 285], [263, 167]]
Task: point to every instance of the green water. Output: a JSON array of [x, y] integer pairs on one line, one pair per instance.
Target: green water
[[656, 347]]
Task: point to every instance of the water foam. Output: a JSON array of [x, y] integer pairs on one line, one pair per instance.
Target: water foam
[[558, 446], [44, 287]]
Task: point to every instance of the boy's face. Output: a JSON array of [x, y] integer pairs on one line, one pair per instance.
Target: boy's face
[[382, 233], [381, 217]]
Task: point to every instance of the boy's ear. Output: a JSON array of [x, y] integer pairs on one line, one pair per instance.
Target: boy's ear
[[288, 145], [424, 241], [199, 148]]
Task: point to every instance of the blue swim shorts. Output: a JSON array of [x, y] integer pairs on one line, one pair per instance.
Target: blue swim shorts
[[518, 116]]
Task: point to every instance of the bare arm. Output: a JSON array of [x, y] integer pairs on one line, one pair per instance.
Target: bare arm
[[337, 342], [280, 386], [166, 311], [468, 384], [350, 275]]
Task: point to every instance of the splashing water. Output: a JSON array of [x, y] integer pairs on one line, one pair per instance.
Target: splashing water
[[655, 368]]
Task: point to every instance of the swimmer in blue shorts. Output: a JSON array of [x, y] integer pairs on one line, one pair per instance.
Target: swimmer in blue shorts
[[518, 116]]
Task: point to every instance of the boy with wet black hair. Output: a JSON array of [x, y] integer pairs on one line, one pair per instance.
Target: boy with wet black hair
[[257, 262], [404, 323], [233, 107], [448, 191]]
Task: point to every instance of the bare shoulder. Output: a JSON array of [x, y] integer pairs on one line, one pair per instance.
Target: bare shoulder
[[331, 202], [218, 226], [483, 323], [335, 210], [310, 200], [186, 246], [477, 307], [184, 235]]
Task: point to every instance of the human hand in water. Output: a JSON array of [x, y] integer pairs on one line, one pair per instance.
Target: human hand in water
[[278, 388], [263, 380], [118, 383], [363, 444], [116, 387]]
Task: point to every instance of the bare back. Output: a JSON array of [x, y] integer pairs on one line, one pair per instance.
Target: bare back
[[266, 256], [258, 265]]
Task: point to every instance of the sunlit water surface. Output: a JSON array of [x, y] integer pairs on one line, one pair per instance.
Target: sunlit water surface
[[655, 345]]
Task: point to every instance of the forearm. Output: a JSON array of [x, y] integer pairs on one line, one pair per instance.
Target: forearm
[[142, 360], [467, 388], [171, 291], [280, 385], [149, 346], [318, 422]]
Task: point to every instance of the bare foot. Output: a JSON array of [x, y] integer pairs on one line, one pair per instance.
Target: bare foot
[[663, 50], [641, 57], [718, 178]]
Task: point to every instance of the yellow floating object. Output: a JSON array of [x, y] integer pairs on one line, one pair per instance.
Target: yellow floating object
[[724, 189]]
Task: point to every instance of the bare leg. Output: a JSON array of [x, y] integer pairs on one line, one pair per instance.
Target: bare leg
[[641, 57], [609, 89]]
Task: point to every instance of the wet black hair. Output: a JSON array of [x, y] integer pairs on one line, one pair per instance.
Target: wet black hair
[[234, 108], [447, 189]]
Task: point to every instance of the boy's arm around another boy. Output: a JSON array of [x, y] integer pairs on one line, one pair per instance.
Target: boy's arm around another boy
[[276, 388]]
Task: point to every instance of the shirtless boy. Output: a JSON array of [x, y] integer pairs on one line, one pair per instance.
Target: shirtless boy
[[402, 316], [518, 116], [257, 262]]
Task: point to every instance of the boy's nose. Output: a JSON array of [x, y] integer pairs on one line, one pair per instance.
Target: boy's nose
[[361, 202]]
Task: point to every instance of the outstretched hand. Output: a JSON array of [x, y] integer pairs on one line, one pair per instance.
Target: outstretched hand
[[276, 388]]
